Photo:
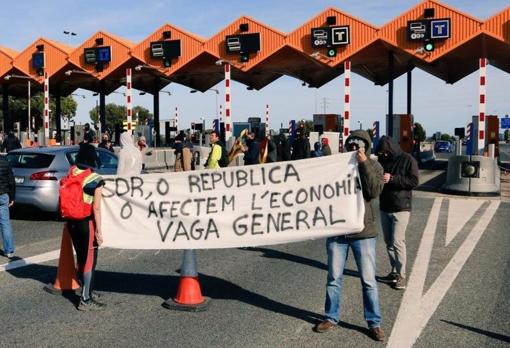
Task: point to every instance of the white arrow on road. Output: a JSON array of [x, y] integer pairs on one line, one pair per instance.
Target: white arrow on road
[[416, 308]]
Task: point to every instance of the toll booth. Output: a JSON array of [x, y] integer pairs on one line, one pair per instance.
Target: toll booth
[[402, 131], [238, 127], [491, 131], [327, 123]]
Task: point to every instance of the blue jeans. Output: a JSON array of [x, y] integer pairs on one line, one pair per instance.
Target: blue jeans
[[364, 254], [5, 224]]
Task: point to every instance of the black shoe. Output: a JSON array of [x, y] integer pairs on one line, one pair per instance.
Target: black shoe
[[376, 333], [391, 278], [90, 305]]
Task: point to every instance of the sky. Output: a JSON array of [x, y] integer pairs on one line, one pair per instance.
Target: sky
[[436, 105]]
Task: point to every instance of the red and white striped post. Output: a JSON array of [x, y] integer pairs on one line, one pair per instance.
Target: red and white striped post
[[228, 119], [374, 129], [468, 131], [267, 120], [176, 119], [221, 113], [46, 109], [481, 107], [129, 102], [347, 97]]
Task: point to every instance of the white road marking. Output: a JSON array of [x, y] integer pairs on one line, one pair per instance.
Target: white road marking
[[459, 213], [50, 255], [416, 309]]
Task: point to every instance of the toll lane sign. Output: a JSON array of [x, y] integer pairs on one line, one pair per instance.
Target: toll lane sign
[[417, 30], [330, 36], [505, 123], [440, 28], [422, 30]]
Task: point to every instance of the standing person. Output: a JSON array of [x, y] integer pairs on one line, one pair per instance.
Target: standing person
[[282, 148], [86, 234], [362, 245], [130, 158], [216, 151], [326, 150], [400, 178], [86, 146], [11, 143], [317, 152], [251, 150], [88, 130], [272, 155], [7, 194], [183, 154], [144, 149], [301, 147], [106, 143]]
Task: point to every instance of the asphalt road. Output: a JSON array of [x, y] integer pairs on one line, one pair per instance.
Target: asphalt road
[[271, 296]]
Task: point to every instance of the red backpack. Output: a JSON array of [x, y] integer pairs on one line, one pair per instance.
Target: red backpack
[[72, 206]]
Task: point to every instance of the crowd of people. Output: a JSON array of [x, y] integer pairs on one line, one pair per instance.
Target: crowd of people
[[390, 177]]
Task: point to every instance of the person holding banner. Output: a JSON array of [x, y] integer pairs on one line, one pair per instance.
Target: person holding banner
[[86, 233], [362, 245]]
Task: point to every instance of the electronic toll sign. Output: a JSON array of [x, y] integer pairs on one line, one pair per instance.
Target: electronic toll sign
[[243, 44], [97, 56], [428, 31], [166, 51], [331, 38]]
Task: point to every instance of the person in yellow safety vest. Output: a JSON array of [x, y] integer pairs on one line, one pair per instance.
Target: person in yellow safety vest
[[216, 151]]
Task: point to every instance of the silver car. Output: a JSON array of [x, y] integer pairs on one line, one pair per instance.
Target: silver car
[[37, 172]]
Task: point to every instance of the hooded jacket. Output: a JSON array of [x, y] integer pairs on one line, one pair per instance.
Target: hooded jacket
[[397, 193], [130, 158], [371, 177]]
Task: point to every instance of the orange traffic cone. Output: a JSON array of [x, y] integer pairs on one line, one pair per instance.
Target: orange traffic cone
[[66, 274], [189, 296]]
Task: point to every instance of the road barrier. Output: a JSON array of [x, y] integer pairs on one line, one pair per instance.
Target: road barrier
[[473, 176], [66, 279]]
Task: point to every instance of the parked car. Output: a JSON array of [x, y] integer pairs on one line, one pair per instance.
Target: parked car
[[37, 172], [443, 146]]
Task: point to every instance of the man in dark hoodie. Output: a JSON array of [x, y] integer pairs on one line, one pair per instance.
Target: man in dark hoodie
[[362, 245], [400, 177]]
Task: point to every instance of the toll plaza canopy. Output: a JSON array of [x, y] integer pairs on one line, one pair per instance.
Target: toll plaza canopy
[[431, 36]]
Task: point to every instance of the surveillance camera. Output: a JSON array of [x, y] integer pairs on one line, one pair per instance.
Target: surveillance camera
[[68, 72], [220, 62]]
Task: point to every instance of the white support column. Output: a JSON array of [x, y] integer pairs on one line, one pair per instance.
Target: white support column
[[176, 119], [481, 107], [46, 109], [347, 98], [228, 116], [129, 102], [267, 120]]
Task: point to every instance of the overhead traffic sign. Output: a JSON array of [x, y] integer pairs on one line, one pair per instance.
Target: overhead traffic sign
[[330, 36], [440, 28], [505, 123]]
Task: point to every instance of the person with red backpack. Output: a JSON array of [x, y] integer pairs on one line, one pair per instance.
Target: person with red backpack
[[80, 205]]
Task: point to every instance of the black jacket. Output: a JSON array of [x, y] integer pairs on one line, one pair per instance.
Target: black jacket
[[7, 184], [11, 142], [251, 156], [397, 193], [300, 149], [371, 177]]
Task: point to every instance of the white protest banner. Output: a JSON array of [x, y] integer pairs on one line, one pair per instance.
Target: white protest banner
[[234, 207]]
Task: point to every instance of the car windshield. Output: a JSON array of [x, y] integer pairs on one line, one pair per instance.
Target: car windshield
[[30, 160], [443, 143]]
